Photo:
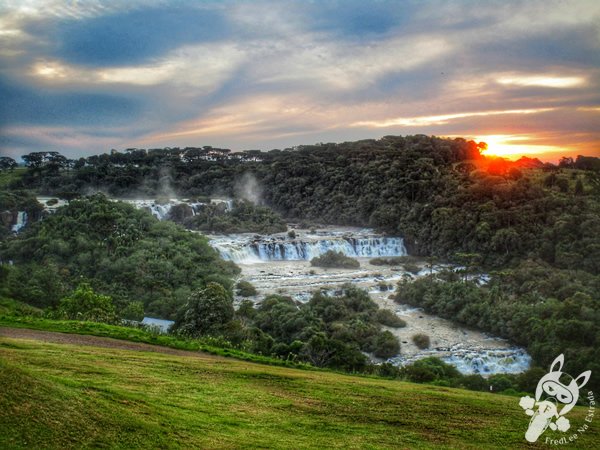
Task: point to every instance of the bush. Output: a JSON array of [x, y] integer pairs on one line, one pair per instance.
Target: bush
[[336, 260], [388, 370], [133, 311], [386, 345], [246, 309], [501, 382], [393, 261], [421, 340], [474, 382], [412, 268], [389, 319], [206, 312], [431, 369], [246, 289], [84, 304]]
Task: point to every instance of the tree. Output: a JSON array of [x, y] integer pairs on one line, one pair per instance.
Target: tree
[[7, 163], [85, 304], [386, 345], [206, 311], [133, 311], [566, 162], [34, 160]]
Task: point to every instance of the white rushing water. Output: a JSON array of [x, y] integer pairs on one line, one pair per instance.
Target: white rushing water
[[21, 221], [278, 264], [160, 210], [248, 249], [160, 324]]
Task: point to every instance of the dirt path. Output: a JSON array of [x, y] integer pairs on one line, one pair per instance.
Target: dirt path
[[94, 341]]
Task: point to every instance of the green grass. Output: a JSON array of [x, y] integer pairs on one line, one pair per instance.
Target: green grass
[[64, 396], [136, 335], [10, 307]]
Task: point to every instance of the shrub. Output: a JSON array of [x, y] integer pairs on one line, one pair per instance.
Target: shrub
[[206, 312], [393, 261], [389, 319], [431, 369], [335, 259], [388, 370], [133, 311], [246, 289], [246, 309], [85, 304], [386, 345], [421, 340], [412, 268]]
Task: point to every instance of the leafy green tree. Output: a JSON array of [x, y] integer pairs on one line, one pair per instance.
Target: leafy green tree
[[133, 311], [85, 304], [207, 311], [7, 163]]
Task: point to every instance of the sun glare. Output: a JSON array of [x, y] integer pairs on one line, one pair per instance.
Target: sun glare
[[513, 147]]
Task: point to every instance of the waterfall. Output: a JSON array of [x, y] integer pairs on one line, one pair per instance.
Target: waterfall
[[471, 360], [161, 210], [21, 221], [251, 251], [488, 362]]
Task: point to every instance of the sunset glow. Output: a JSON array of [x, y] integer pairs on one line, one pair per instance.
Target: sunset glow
[[277, 74], [513, 147]]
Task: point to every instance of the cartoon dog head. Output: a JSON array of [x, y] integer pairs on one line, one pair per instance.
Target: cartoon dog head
[[550, 386]]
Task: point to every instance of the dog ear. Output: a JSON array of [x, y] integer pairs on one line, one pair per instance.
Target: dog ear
[[583, 378], [559, 361]]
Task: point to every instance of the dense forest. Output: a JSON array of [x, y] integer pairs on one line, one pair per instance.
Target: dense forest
[[534, 227], [120, 250], [441, 195]]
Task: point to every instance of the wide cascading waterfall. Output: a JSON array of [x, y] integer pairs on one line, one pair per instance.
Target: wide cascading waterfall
[[247, 250]]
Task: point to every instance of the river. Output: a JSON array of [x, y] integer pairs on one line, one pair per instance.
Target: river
[[280, 264]]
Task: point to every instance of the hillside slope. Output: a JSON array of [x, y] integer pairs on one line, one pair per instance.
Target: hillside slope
[[64, 396]]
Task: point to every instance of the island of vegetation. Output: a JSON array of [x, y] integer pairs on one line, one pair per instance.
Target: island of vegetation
[[333, 259]]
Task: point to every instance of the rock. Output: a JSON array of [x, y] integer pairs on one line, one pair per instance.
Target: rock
[[7, 219]]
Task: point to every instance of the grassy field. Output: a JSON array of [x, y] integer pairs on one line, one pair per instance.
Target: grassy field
[[10, 317], [66, 396]]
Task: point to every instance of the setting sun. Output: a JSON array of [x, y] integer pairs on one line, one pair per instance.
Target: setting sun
[[515, 146]]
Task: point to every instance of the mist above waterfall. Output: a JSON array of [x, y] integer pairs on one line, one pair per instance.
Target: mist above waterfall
[[165, 183], [248, 188]]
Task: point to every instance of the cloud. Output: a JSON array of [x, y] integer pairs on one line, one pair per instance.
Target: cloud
[[22, 104], [98, 74], [543, 80], [197, 66], [441, 119], [134, 36]]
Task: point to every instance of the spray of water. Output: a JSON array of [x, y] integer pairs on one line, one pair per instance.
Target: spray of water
[[248, 188]]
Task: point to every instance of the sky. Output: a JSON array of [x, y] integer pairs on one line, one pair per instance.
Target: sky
[[84, 77]]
